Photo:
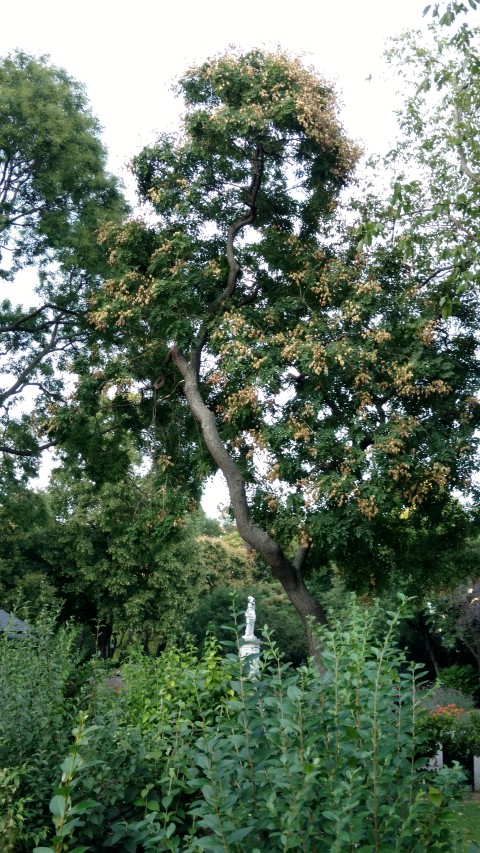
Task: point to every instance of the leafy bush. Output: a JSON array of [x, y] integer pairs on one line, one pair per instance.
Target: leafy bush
[[190, 754], [439, 696], [454, 728], [463, 678], [36, 675]]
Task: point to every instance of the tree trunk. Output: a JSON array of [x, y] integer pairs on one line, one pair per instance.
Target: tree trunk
[[429, 644], [103, 641], [286, 571]]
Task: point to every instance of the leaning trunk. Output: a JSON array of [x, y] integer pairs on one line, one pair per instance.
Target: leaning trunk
[[288, 572]]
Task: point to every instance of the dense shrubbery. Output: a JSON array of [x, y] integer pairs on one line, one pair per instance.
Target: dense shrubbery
[[463, 677], [454, 728], [186, 753], [38, 675]]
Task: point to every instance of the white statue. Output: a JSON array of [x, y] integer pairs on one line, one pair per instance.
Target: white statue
[[250, 617]]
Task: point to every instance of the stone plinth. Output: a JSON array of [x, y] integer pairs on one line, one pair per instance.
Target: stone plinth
[[250, 648]]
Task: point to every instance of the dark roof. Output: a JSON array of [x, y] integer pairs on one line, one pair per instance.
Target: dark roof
[[12, 624]]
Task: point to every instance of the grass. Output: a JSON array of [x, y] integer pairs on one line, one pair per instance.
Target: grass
[[467, 819]]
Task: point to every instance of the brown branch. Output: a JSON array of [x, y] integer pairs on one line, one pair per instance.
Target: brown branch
[[13, 451], [16, 326], [21, 379], [236, 227], [287, 572]]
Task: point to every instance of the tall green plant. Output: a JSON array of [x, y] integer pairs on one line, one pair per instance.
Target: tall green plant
[[323, 763], [36, 676], [191, 754]]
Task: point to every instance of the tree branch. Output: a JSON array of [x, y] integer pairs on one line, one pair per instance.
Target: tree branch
[[253, 190], [474, 176], [21, 379], [13, 451], [288, 573]]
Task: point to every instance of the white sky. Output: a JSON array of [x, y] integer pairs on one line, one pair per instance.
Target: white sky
[[129, 55]]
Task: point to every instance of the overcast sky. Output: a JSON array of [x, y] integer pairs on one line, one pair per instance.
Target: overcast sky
[[128, 56]]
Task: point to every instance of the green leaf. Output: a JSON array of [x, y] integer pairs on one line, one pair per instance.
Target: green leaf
[[294, 692], [239, 834], [435, 796], [58, 805], [83, 806], [330, 815], [68, 765]]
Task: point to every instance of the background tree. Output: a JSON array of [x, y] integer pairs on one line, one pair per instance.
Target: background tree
[[25, 523], [55, 193], [123, 555], [433, 211], [325, 383]]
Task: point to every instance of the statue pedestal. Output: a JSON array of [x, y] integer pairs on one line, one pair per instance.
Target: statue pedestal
[[250, 648]]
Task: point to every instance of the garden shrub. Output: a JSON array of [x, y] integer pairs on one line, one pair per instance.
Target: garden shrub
[[455, 729], [191, 754], [36, 675], [464, 678], [438, 696]]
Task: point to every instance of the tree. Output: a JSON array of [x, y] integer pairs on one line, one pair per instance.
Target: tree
[[25, 523], [325, 383], [122, 554], [433, 210], [455, 616], [55, 193]]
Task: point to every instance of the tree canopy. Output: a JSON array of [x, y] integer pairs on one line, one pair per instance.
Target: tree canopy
[[328, 384], [55, 193], [256, 318]]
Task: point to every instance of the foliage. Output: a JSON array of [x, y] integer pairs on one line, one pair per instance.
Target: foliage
[[328, 387], [454, 728], [462, 677], [53, 178], [440, 697], [439, 146], [54, 195], [127, 555], [37, 673], [123, 553], [188, 753], [24, 521], [455, 614], [225, 559]]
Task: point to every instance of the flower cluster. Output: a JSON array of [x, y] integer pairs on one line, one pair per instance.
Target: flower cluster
[[451, 710]]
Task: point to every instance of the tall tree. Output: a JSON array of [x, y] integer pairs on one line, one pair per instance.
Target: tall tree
[[55, 193], [433, 210], [324, 383]]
